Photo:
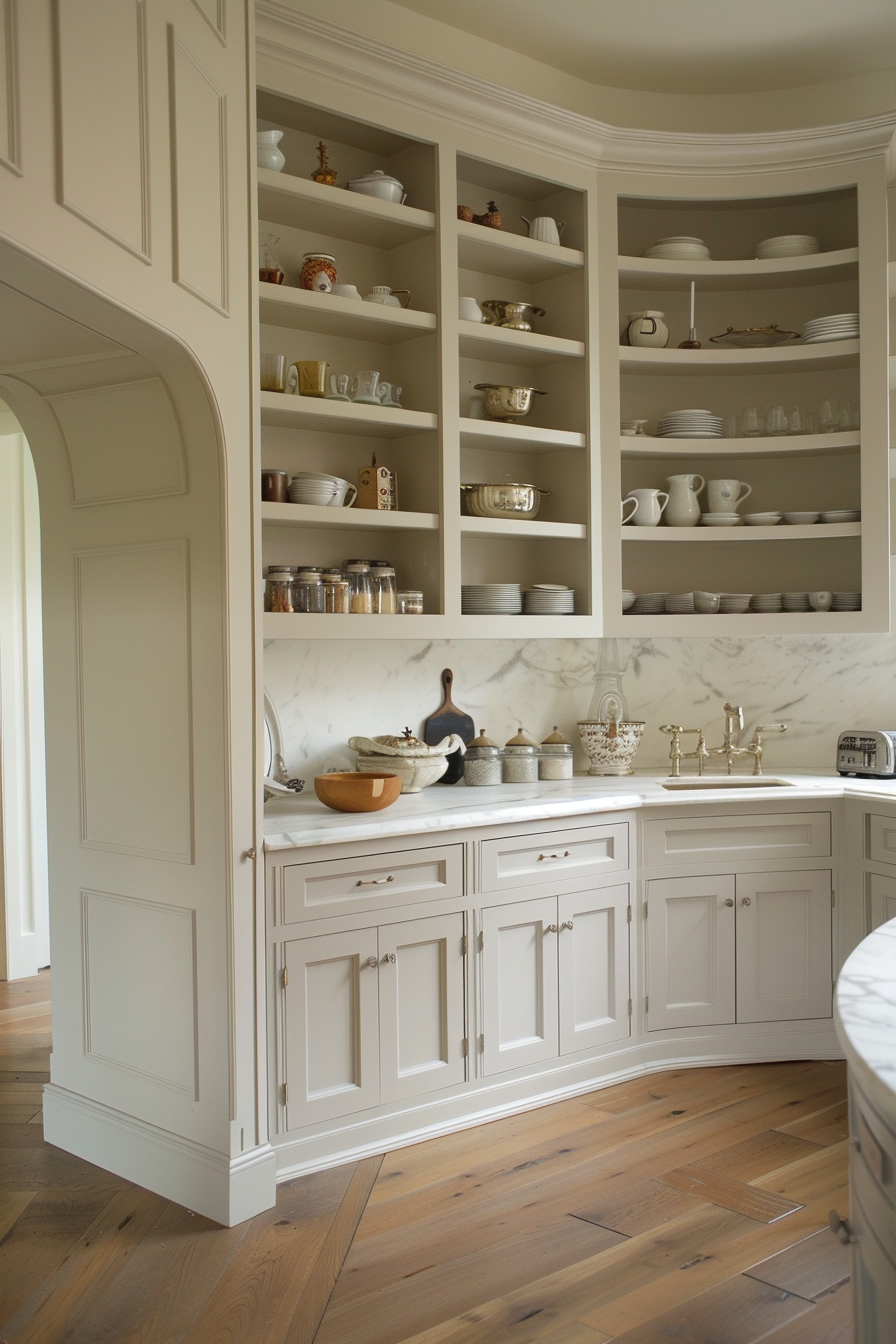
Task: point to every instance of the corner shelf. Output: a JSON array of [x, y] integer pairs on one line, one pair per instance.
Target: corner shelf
[[283, 199], [332, 315], [781, 445], [483, 341], [738, 533], [776, 359], [511, 256], [316, 515], [780, 273], [342, 417]]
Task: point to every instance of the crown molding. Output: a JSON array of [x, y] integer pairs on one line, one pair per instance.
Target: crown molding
[[305, 42]]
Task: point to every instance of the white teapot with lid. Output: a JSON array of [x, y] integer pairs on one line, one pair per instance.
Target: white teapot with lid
[[417, 764]]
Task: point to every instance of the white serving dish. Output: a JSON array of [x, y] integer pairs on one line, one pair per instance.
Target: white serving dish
[[380, 185], [804, 519]]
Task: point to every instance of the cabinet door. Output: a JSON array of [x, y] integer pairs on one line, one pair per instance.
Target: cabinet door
[[882, 891], [690, 951], [783, 946], [873, 1281], [331, 1026], [519, 971], [421, 981], [593, 963]]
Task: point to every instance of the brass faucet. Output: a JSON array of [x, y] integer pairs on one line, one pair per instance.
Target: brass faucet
[[734, 726]]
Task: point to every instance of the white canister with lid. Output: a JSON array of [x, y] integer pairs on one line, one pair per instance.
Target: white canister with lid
[[482, 762], [520, 759], [555, 757], [381, 185]]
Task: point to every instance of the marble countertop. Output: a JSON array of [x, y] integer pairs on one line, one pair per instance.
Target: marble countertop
[[865, 1016], [302, 821]]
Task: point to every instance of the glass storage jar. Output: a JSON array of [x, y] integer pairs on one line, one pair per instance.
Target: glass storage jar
[[555, 757], [335, 586], [520, 759], [385, 601], [308, 591], [360, 597], [482, 762], [410, 603], [278, 590]]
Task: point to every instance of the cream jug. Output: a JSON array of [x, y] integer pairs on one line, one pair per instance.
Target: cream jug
[[683, 509], [649, 510], [647, 329], [544, 229]]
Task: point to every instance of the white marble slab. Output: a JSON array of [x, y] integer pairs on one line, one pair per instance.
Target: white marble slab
[[865, 1016], [304, 821]]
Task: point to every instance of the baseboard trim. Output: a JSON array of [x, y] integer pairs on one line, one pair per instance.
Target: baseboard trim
[[227, 1190]]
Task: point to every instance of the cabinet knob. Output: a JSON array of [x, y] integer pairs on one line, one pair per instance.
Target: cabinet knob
[[389, 956], [746, 901], [729, 901], [840, 1227], [251, 854], [372, 963], [551, 928]]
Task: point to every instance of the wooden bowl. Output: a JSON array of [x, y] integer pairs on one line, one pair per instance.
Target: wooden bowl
[[355, 792]]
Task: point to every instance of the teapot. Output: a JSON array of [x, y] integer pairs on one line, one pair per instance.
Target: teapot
[[647, 328], [544, 229], [417, 764]]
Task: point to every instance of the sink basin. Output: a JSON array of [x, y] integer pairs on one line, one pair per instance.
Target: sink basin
[[728, 782]]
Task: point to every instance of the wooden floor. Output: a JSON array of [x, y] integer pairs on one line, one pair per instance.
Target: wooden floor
[[688, 1206]]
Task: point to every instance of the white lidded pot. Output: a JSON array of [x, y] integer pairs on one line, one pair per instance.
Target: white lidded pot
[[379, 184], [269, 156], [647, 329], [683, 509], [418, 764]]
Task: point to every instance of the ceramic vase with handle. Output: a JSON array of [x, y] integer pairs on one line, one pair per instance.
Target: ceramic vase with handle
[[650, 509], [683, 510], [648, 329]]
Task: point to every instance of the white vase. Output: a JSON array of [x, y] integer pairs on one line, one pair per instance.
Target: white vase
[[269, 156], [683, 509], [647, 328]]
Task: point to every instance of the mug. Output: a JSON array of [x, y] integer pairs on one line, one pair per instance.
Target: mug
[[384, 392], [308, 377], [273, 373], [629, 500], [726, 496], [649, 510], [338, 387], [821, 601], [275, 486], [468, 309], [363, 387]]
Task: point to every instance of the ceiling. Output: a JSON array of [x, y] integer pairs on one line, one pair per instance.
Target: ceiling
[[695, 46]]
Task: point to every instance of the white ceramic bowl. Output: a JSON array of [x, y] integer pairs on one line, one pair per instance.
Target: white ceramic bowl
[[706, 603], [611, 747], [761, 519], [415, 772], [801, 519]]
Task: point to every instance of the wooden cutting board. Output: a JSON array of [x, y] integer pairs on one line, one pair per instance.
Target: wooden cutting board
[[449, 719]]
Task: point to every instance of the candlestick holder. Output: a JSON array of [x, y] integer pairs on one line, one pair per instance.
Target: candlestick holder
[[691, 343]]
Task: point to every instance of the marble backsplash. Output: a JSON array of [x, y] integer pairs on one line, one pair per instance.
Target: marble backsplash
[[325, 691]]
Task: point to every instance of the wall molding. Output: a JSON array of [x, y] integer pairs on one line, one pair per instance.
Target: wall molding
[[226, 1189], [305, 42], [11, 152]]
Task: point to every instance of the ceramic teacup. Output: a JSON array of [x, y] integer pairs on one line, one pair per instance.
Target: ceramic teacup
[[726, 495], [308, 378], [347, 292], [650, 510], [821, 601], [363, 387], [338, 387]]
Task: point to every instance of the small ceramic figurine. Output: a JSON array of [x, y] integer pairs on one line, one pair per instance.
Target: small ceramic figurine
[[465, 212], [325, 173], [492, 217]]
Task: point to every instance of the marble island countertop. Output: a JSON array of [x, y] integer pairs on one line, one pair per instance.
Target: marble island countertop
[[865, 1016], [304, 821]]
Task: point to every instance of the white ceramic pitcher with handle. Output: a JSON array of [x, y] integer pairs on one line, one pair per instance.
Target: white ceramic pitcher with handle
[[544, 229], [683, 509]]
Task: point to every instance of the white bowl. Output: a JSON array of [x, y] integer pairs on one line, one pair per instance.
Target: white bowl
[[706, 603], [721, 520], [801, 519], [761, 519]]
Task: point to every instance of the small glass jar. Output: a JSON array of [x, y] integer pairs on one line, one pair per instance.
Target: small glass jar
[[520, 759], [384, 595], [482, 762], [555, 757], [409, 603], [278, 590], [335, 587], [360, 597], [308, 591]]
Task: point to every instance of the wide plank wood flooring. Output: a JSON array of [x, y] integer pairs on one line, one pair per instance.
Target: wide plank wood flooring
[[687, 1206]]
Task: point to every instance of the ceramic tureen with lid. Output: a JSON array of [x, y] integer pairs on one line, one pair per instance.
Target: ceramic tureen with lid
[[418, 764]]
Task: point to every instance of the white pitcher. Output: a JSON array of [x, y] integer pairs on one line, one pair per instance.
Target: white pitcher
[[649, 510], [683, 510], [647, 328], [544, 229]]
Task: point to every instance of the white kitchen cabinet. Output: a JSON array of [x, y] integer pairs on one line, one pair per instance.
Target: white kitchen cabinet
[[372, 1015], [727, 949], [555, 976], [881, 899]]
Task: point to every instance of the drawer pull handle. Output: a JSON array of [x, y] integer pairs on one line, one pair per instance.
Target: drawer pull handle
[[372, 963], [374, 881], [729, 902], [746, 901], [389, 956], [551, 928], [840, 1228], [564, 855], [567, 924]]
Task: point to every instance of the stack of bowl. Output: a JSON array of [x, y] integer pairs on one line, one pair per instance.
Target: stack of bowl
[[734, 602], [847, 602], [318, 487], [679, 249], [549, 599], [787, 245], [767, 602]]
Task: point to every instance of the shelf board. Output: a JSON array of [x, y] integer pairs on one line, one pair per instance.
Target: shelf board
[[492, 252], [501, 438], [753, 623], [316, 515], [337, 212], [783, 445], [780, 532], [482, 341], [530, 528], [342, 417], [426, 627], [776, 359], [332, 315], [782, 273]]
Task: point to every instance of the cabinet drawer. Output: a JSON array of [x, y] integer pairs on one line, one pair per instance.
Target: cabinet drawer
[[881, 838], [521, 859], [881, 891], [767, 835], [344, 886]]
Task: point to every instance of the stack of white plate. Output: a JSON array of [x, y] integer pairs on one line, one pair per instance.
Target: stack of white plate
[[847, 602], [767, 602], [649, 604], [680, 604], [795, 601], [543, 600], [679, 249], [840, 327], [731, 602], [491, 599], [628, 599], [690, 425], [721, 520], [842, 516], [787, 245]]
